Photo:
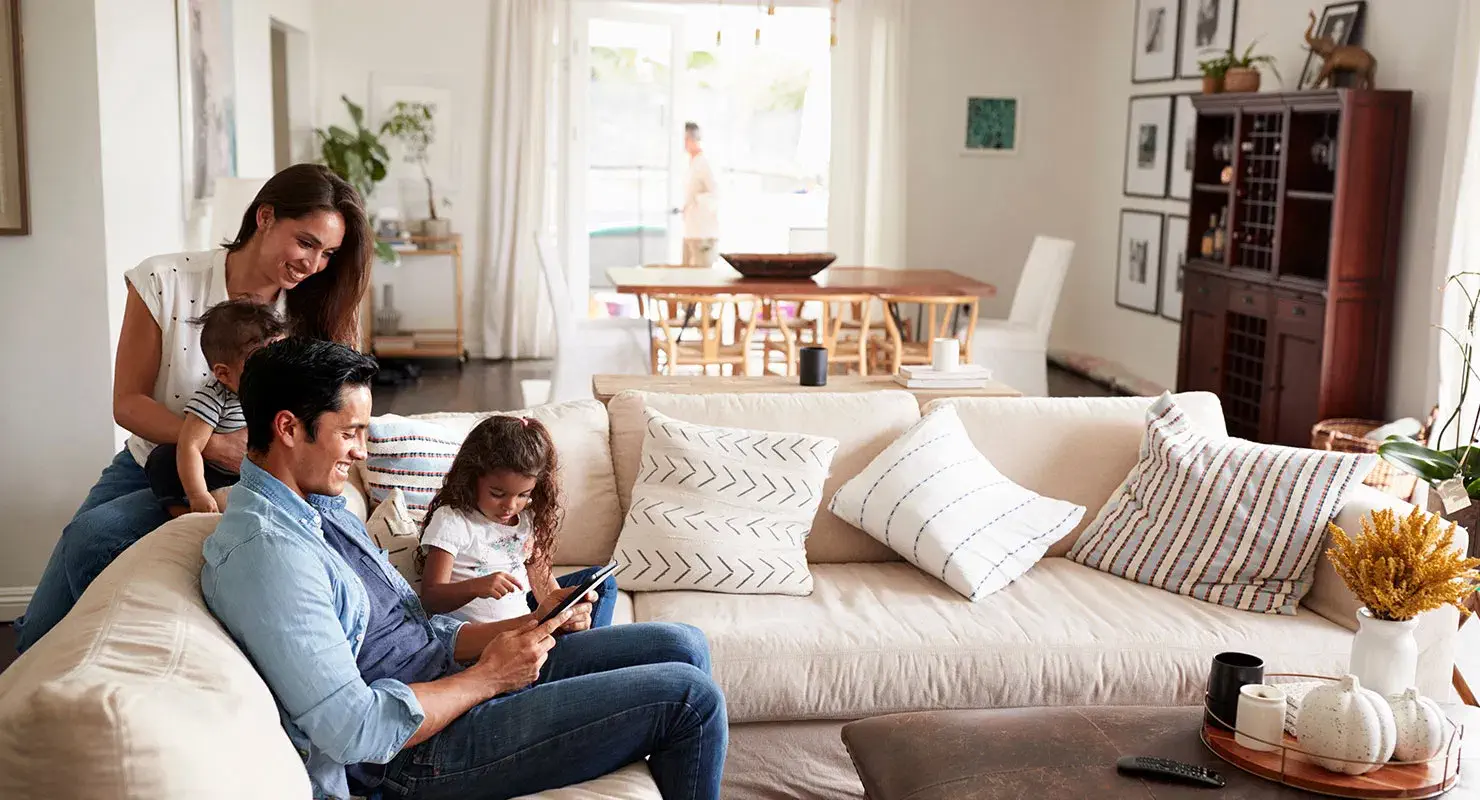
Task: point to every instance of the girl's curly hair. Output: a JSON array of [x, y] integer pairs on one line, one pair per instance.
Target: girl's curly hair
[[517, 444]]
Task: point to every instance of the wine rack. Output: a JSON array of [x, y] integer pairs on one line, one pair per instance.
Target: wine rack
[[1259, 191], [1243, 373]]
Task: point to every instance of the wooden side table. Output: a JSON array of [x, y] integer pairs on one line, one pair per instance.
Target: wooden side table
[[1466, 695]]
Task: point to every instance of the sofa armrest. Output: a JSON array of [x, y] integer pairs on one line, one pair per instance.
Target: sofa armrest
[[1329, 597]]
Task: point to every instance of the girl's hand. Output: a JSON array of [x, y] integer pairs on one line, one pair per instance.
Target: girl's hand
[[580, 613], [496, 585]]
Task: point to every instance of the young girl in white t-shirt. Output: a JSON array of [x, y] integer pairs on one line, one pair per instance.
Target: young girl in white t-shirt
[[489, 533]]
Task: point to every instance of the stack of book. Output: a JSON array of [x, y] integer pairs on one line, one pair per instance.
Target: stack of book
[[966, 376]]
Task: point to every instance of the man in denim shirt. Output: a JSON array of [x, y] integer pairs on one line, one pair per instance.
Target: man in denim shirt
[[376, 696]]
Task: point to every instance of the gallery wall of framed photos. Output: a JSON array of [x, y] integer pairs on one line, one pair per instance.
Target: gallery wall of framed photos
[[1170, 37]]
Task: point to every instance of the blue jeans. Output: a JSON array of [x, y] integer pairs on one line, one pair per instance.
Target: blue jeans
[[606, 595], [118, 511], [606, 698]]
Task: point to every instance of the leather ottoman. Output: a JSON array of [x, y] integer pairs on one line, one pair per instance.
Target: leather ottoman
[[1061, 753]]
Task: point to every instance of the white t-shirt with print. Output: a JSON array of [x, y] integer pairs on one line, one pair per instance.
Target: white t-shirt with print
[[480, 546], [177, 288]]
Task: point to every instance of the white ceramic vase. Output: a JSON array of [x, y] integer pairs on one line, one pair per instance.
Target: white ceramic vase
[[1384, 653]]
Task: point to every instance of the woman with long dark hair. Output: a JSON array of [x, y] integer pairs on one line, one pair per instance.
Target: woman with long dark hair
[[304, 246]]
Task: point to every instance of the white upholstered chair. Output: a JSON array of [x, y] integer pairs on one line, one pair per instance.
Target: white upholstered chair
[[583, 346], [1016, 348]]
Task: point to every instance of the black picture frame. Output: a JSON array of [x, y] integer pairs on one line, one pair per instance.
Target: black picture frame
[[1170, 250], [1164, 179], [1352, 34], [1173, 29], [1153, 282], [1173, 153], [1188, 46]]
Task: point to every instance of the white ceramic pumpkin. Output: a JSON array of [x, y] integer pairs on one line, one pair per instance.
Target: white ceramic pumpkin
[[1421, 726], [1346, 728]]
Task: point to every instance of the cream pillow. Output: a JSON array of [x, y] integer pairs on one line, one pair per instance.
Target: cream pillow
[[392, 529], [937, 501], [722, 509]]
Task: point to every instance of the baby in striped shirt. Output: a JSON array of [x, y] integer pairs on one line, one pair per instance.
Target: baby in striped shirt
[[178, 474]]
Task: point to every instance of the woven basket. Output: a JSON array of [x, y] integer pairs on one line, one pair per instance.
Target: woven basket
[[1347, 436]]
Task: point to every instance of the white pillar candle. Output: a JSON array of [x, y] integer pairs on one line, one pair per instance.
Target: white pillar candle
[[1261, 716], [945, 354]]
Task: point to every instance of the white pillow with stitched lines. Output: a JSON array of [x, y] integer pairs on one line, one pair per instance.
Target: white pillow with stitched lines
[[936, 500], [722, 509]]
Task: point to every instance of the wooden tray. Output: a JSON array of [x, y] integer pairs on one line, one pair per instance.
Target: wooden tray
[[1290, 766]]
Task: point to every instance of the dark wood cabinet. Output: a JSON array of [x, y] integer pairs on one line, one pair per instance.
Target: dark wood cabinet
[[1290, 322]]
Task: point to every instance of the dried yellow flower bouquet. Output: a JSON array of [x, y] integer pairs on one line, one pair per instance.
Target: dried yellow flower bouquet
[[1400, 569]]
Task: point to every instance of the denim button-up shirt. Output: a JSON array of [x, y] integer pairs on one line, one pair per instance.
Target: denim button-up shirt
[[300, 613]]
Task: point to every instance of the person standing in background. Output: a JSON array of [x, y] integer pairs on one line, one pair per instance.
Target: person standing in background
[[701, 204]]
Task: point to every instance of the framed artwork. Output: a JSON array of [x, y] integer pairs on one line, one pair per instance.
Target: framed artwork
[[1158, 23], [1342, 22], [992, 125], [1173, 260], [207, 97], [1148, 144], [1184, 147], [15, 204], [1138, 264], [435, 90], [1207, 31]]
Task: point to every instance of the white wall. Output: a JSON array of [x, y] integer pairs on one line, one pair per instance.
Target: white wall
[[252, 41], [54, 304], [441, 44], [1415, 51], [977, 215]]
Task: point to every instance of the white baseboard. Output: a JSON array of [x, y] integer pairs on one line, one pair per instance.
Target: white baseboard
[[13, 601]]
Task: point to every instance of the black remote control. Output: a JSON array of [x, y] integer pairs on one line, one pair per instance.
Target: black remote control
[[1165, 769]]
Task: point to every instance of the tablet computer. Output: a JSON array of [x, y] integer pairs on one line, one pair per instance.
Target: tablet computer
[[580, 592]]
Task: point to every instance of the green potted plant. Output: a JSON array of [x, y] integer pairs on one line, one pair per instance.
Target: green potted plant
[[412, 124], [360, 159], [1242, 74], [1213, 71], [1455, 468]]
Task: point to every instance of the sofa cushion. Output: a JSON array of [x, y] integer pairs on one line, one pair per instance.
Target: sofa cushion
[[722, 509], [937, 501], [592, 515], [1074, 448], [392, 529], [879, 638], [864, 424], [140, 693], [1220, 519]]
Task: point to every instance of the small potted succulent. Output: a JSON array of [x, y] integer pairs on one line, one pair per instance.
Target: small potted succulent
[[1213, 72], [1242, 74]]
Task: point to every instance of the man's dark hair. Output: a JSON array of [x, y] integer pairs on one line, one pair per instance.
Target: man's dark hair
[[303, 376], [691, 130], [230, 331]]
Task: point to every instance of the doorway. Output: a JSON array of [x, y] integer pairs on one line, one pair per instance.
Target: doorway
[[292, 113], [757, 84]]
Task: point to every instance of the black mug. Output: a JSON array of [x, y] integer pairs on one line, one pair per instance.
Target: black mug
[[813, 366], [1230, 672]]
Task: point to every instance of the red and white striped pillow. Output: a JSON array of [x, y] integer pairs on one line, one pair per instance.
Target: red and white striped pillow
[[1224, 520]]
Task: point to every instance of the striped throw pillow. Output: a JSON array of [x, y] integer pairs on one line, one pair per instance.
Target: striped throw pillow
[[1224, 520], [937, 501], [410, 455]]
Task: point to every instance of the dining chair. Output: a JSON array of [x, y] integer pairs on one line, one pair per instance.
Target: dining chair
[[1016, 348], [691, 331], [943, 315], [842, 325], [583, 346]]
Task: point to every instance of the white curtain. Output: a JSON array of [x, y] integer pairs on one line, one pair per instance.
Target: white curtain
[[524, 55], [1464, 242], [866, 202]]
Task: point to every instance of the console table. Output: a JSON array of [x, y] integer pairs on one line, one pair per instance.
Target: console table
[[604, 387]]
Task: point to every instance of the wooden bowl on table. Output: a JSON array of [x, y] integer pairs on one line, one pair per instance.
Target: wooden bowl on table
[[782, 266]]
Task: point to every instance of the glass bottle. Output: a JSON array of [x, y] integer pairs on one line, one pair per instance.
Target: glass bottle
[[1208, 237]]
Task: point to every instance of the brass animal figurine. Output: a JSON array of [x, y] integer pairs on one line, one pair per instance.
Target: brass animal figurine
[[1345, 58]]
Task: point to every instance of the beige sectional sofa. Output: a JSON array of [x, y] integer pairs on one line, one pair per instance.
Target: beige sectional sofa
[[140, 694]]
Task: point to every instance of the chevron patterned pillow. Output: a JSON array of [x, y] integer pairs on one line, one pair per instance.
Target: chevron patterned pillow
[[722, 509], [937, 501]]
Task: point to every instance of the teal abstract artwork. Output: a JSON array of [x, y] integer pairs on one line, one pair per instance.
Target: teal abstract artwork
[[991, 124]]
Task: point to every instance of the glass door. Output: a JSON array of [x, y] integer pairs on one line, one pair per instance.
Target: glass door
[[625, 141]]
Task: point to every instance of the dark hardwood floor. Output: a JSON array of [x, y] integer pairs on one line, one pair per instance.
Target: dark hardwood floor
[[494, 386]]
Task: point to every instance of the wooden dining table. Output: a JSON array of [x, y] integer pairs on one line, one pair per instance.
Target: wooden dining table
[[832, 281]]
